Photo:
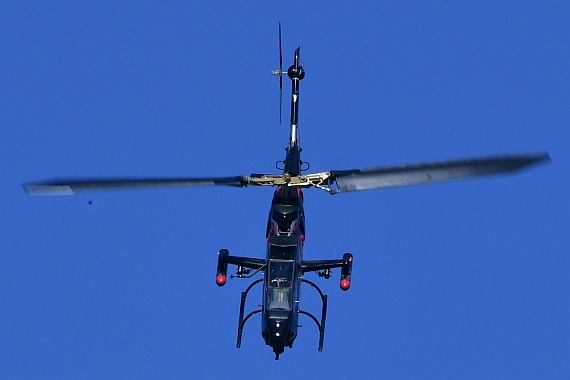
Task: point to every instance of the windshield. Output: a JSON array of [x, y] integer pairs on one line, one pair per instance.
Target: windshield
[[280, 284], [279, 298], [282, 252], [280, 273]]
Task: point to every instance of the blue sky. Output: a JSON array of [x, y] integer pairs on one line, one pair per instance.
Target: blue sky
[[467, 279]]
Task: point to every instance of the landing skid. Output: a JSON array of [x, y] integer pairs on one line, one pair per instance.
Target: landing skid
[[242, 320], [320, 325]]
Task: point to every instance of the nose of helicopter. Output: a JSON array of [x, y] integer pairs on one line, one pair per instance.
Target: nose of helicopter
[[277, 324]]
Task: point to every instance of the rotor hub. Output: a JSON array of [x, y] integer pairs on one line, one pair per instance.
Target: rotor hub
[[296, 72]]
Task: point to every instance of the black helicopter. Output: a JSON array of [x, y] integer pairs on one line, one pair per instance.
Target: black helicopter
[[284, 265]]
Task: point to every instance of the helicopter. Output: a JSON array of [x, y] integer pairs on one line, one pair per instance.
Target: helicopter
[[284, 266]]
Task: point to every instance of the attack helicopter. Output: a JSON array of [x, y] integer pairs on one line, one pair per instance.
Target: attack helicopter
[[284, 266]]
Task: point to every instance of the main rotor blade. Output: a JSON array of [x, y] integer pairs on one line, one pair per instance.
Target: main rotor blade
[[384, 177], [72, 186]]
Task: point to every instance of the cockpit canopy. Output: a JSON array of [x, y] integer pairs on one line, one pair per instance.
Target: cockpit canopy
[[278, 251], [280, 284]]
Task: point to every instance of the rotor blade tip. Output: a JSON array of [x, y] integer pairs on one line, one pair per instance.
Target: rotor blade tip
[[48, 190], [545, 157], [539, 158]]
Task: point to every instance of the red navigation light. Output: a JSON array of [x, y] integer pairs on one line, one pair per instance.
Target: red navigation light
[[220, 280], [344, 284]]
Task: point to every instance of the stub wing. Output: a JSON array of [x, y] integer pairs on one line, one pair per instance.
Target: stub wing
[[317, 265]]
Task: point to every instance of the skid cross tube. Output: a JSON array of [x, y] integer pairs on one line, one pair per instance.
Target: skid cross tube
[[321, 325], [241, 321]]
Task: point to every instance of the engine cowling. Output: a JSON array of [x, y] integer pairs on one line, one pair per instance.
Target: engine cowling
[[346, 271], [221, 272]]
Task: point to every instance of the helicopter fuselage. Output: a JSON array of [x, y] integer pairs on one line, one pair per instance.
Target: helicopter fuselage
[[284, 266], [285, 236]]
